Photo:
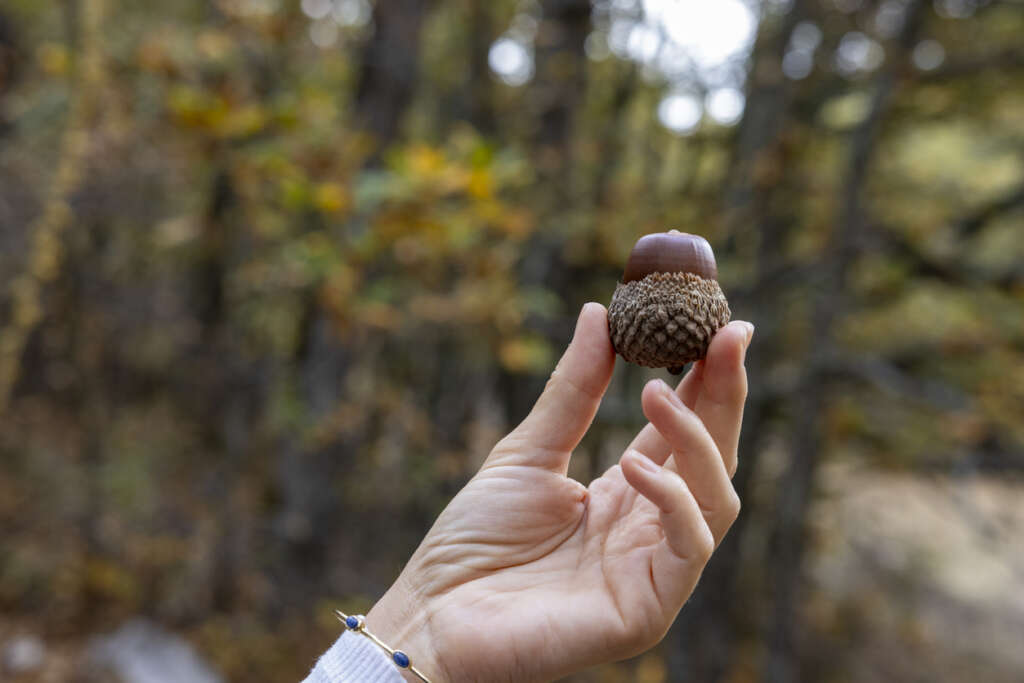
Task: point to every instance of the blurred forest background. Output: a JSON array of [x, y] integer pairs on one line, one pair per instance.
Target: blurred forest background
[[276, 275]]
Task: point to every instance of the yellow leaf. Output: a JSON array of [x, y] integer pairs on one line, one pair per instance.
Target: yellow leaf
[[214, 45], [53, 59], [111, 580], [379, 315], [293, 192], [330, 197], [241, 122], [525, 354], [425, 160], [481, 184]]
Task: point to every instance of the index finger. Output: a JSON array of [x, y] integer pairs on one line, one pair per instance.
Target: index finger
[[570, 399]]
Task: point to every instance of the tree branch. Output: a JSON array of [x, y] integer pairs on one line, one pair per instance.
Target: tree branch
[[880, 237], [889, 379], [970, 224], [1004, 60]]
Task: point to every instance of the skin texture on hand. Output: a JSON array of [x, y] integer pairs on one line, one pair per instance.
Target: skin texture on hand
[[528, 575]]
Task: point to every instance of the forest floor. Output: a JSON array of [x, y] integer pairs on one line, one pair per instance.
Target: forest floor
[[922, 576]]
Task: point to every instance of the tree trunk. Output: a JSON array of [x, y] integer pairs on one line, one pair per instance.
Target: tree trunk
[[390, 67], [789, 543], [709, 630], [310, 518], [479, 93], [561, 74]]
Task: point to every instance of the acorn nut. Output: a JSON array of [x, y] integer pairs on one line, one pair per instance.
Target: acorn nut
[[668, 305]]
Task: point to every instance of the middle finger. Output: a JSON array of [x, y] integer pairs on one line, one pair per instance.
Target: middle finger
[[696, 457]]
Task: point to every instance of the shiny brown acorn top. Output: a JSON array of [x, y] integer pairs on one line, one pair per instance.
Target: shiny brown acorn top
[[669, 304], [670, 252]]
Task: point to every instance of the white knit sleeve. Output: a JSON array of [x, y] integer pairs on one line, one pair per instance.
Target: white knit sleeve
[[354, 659]]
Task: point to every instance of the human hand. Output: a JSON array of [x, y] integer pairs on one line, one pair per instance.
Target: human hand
[[528, 575]]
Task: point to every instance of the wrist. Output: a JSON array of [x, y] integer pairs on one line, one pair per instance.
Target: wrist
[[401, 623]]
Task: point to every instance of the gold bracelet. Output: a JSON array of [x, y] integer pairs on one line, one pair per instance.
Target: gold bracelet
[[358, 624]]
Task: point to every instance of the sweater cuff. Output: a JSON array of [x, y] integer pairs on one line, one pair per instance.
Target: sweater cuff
[[354, 659]]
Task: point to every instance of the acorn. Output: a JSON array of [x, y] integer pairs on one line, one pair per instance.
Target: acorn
[[669, 305]]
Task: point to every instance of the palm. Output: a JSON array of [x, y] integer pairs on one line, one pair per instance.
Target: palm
[[558, 574], [529, 575]]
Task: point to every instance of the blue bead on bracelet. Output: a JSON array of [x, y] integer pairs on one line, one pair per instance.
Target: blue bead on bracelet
[[358, 625]]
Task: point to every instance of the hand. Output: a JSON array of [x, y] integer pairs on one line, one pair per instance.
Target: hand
[[528, 575]]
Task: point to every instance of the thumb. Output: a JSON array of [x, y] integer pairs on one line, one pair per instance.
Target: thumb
[[564, 411]]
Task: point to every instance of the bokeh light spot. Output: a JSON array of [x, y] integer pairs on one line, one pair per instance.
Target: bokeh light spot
[[511, 61], [317, 9], [797, 64], [725, 105], [928, 55], [680, 112], [323, 33]]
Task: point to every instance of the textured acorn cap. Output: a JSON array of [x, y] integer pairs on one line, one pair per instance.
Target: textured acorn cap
[[666, 320]]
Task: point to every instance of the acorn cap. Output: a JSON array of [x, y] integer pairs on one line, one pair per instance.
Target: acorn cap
[[669, 304]]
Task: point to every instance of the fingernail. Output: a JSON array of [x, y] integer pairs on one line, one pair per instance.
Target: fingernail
[[750, 333], [645, 463], [579, 316]]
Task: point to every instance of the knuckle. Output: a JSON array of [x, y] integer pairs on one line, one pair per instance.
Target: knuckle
[[679, 486], [731, 393], [502, 450], [705, 546], [733, 504]]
